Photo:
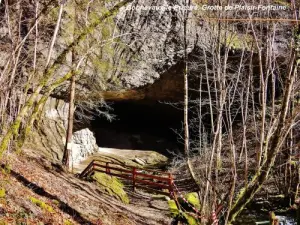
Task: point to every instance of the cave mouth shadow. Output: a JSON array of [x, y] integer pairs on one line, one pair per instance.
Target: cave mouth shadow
[[140, 125], [41, 191]]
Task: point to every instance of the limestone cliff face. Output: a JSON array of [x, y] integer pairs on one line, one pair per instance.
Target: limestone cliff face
[[84, 144], [143, 62], [153, 71], [50, 137], [155, 39], [147, 46], [133, 50]]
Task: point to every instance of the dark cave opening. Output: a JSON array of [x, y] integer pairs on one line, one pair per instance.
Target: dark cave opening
[[140, 125]]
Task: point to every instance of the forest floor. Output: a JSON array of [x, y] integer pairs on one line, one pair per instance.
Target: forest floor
[[34, 189]]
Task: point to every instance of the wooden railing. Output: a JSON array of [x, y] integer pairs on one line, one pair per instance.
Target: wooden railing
[[141, 177]]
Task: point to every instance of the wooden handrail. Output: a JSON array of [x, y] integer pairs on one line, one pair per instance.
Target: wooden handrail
[[131, 167], [85, 172], [134, 174], [153, 177], [113, 168]]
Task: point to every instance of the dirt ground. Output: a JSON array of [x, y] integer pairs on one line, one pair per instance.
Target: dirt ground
[[37, 190]]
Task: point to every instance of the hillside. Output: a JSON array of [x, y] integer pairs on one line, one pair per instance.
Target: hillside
[[35, 190], [195, 103]]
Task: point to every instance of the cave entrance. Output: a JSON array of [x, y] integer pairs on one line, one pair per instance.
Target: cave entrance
[[140, 125]]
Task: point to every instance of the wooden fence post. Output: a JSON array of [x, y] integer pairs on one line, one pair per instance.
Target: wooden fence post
[[107, 169], [170, 185], [165, 181], [133, 178], [93, 167]]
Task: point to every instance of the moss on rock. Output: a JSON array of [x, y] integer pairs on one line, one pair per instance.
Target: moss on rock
[[112, 185], [41, 204], [193, 199], [2, 192], [173, 208], [184, 217], [67, 222]]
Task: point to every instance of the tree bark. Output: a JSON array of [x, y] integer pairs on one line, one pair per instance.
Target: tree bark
[[186, 89], [68, 145]]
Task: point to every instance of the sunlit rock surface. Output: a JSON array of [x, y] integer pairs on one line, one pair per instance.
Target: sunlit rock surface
[[84, 144]]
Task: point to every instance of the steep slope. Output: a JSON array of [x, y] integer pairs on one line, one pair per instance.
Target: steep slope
[[34, 190]]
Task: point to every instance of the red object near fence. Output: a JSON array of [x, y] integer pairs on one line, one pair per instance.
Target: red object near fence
[[143, 177]]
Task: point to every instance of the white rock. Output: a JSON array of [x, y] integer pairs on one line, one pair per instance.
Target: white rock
[[84, 144], [139, 161]]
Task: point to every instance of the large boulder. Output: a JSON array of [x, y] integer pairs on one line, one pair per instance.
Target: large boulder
[[84, 144]]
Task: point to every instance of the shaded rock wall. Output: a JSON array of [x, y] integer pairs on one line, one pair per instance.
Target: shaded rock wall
[[50, 136]]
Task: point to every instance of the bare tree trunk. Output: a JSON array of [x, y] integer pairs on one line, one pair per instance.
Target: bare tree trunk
[[281, 132], [68, 146], [61, 8], [186, 89]]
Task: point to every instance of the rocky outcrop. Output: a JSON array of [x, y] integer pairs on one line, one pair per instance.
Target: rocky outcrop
[[84, 145], [149, 44], [155, 39], [169, 87], [145, 60], [146, 46], [50, 137]]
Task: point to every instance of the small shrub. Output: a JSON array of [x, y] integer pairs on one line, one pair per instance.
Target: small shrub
[[173, 208]]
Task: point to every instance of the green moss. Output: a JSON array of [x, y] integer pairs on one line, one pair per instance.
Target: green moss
[[191, 220], [173, 208], [112, 185], [2, 192], [282, 2], [184, 217], [193, 199], [272, 215], [41, 204], [67, 222], [279, 196], [105, 32], [53, 14], [6, 170], [239, 41], [160, 197]]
